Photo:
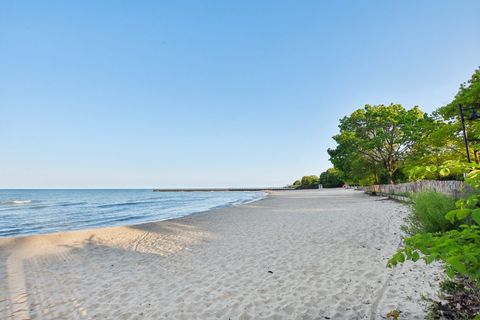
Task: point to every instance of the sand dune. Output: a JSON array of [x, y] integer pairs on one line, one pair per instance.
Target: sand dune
[[317, 254]]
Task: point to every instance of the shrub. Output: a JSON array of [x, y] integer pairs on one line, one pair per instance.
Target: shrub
[[458, 249], [428, 213]]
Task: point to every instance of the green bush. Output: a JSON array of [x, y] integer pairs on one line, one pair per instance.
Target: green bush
[[459, 248], [428, 213]]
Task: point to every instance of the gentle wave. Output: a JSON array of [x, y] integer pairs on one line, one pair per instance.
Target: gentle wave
[[69, 204], [63, 210], [130, 203], [18, 202]]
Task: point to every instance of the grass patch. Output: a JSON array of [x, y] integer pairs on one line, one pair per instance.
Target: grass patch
[[428, 213]]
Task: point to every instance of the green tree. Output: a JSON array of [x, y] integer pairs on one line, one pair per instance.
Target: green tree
[[353, 168], [375, 141], [331, 179], [468, 95], [307, 182], [443, 140]]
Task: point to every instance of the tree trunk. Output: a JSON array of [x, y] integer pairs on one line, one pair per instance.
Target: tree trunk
[[390, 171]]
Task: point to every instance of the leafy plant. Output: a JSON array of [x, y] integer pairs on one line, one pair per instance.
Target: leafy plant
[[459, 249], [393, 315], [428, 213]]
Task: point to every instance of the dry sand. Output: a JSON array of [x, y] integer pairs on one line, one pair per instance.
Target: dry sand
[[317, 254]]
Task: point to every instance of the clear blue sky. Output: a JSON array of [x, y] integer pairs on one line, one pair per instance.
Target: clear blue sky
[[211, 93]]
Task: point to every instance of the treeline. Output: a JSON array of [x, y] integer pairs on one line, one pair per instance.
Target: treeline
[[384, 143], [328, 179]]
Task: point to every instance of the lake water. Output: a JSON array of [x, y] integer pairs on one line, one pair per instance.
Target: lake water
[[27, 212]]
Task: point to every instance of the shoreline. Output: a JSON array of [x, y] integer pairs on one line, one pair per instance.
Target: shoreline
[[219, 207], [300, 254]]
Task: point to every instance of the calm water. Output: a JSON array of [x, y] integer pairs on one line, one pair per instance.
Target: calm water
[[25, 212]]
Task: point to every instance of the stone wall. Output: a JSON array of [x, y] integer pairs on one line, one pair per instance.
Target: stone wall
[[448, 187]]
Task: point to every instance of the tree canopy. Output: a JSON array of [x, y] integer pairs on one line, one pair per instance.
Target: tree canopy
[[444, 139], [331, 178], [383, 143], [468, 95], [375, 141], [307, 182]]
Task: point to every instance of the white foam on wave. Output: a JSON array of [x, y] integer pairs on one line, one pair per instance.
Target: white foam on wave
[[20, 201]]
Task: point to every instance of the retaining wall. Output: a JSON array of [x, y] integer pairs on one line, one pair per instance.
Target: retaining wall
[[448, 187]]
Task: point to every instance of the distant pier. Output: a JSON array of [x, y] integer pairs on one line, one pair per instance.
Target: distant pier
[[223, 189]]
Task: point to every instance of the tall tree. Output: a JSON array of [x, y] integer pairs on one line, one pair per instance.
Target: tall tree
[[331, 178], [469, 97], [377, 139], [444, 140]]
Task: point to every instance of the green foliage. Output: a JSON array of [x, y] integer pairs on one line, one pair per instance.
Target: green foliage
[[381, 144], [355, 169], [440, 143], [376, 140], [445, 141], [459, 249], [468, 95], [307, 182], [428, 213], [393, 315], [331, 179]]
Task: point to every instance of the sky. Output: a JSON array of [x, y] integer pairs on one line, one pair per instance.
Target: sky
[[143, 94]]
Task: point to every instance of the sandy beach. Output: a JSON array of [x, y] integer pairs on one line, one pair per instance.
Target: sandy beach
[[318, 254]]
